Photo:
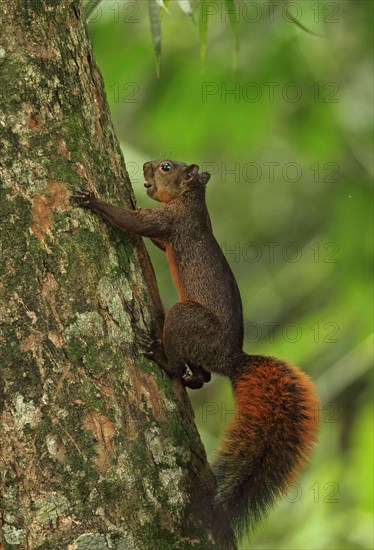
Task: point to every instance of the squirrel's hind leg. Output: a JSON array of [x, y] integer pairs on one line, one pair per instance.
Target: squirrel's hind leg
[[192, 376], [193, 336], [196, 378]]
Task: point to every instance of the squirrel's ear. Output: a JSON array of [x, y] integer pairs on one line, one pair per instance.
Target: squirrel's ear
[[191, 172], [204, 177]]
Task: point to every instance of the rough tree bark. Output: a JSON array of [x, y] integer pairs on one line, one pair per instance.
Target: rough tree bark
[[98, 446]]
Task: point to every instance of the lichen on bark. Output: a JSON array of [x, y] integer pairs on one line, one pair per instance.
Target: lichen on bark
[[98, 445]]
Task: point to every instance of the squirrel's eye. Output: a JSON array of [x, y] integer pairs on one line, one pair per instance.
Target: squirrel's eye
[[165, 166]]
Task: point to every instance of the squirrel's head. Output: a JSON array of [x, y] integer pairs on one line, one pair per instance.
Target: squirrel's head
[[166, 180]]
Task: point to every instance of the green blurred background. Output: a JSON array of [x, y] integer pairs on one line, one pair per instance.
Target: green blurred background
[[288, 138]]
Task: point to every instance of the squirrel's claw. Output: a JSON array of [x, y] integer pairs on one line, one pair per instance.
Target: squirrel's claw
[[84, 197], [147, 342], [153, 350]]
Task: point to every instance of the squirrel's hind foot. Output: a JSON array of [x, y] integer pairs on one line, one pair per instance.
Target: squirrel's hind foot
[[154, 350], [195, 377]]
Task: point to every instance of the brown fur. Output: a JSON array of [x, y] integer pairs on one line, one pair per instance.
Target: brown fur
[[274, 429]]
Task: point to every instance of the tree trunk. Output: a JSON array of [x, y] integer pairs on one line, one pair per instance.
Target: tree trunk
[[98, 446]]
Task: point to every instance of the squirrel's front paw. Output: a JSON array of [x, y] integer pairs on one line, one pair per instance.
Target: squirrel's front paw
[[84, 197]]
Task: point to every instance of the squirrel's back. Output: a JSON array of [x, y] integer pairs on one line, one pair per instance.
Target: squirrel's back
[[275, 424], [202, 274]]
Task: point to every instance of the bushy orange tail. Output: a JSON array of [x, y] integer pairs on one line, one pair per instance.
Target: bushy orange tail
[[266, 444]]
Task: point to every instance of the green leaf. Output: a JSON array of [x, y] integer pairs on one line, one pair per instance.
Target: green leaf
[[300, 25], [203, 29], [90, 7], [231, 12], [162, 5], [185, 6], [155, 20]]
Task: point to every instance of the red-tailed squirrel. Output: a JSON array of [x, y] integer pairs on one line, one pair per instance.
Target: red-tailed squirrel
[[275, 427]]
